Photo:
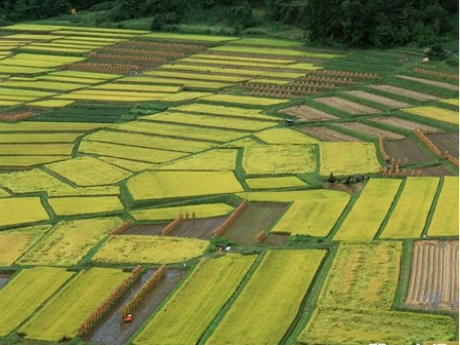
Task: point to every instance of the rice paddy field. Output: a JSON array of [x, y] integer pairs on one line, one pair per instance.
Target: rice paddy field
[[268, 192]]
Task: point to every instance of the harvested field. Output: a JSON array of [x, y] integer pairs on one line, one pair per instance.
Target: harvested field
[[275, 240], [306, 113], [4, 278], [404, 124], [255, 218], [419, 96], [434, 276], [327, 134], [146, 229], [347, 106], [16, 115], [440, 84], [369, 130], [378, 99], [112, 331], [436, 171], [406, 150], [446, 142]]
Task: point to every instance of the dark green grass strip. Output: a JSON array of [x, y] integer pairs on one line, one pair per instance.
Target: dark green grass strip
[[404, 274]]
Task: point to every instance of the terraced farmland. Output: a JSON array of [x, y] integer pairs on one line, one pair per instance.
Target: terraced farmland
[[159, 188]]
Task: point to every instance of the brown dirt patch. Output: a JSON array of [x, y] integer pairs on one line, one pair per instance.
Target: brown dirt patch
[[379, 99], [112, 331], [434, 276], [446, 142], [198, 228], [275, 240], [406, 150], [347, 106], [404, 124], [18, 115], [146, 229], [436, 171], [307, 113], [404, 92], [327, 134], [4, 278], [255, 218], [369, 130], [440, 84]]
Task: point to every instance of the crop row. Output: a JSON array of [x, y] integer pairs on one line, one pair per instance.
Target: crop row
[[429, 143], [359, 75], [436, 74], [298, 88], [118, 57], [179, 46], [279, 94], [141, 52], [171, 226], [103, 67], [241, 207]]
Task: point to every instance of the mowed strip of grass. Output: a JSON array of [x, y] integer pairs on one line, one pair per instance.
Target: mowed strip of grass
[[70, 241], [61, 317], [445, 217], [12, 211], [26, 292], [313, 217], [221, 277], [369, 211], [266, 307], [410, 214]]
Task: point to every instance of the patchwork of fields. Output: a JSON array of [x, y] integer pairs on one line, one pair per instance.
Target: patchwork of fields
[[223, 191]]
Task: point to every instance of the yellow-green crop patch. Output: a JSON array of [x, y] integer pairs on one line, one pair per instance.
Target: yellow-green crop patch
[[188, 37], [128, 152], [47, 48], [31, 181], [348, 158], [279, 159], [245, 100], [218, 110], [369, 211], [274, 42], [26, 292], [12, 211], [148, 141], [53, 103], [192, 84], [214, 160], [313, 217], [14, 243], [169, 213], [73, 206], [185, 96], [451, 101], [288, 196], [23, 70], [36, 149], [434, 113], [275, 182], [82, 74], [285, 136], [69, 241], [272, 51], [138, 88], [88, 81], [277, 288], [445, 217], [139, 249], [242, 58], [196, 76], [210, 121], [48, 126], [60, 318], [33, 37], [43, 85], [197, 61], [211, 69], [113, 96], [88, 171], [191, 301], [409, 216], [126, 164], [27, 161], [176, 184], [181, 131]]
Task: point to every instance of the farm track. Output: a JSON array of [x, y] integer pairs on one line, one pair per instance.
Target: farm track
[[434, 276], [446, 142], [111, 330], [406, 149], [255, 218], [327, 134]]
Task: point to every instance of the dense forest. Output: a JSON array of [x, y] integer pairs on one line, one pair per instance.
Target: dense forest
[[357, 23]]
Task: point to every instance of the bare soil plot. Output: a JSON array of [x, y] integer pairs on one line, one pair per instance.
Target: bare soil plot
[[347, 106], [306, 113], [327, 134], [404, 92], [146, 229], [369, 130], [255, 218], [378, 99], [19, 114], [434, 276], [436, 171], [275, 240], [440, 84], [4, 277], [111, 330], [198, 228], [407, 151], [404, 124], [446, 142]]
